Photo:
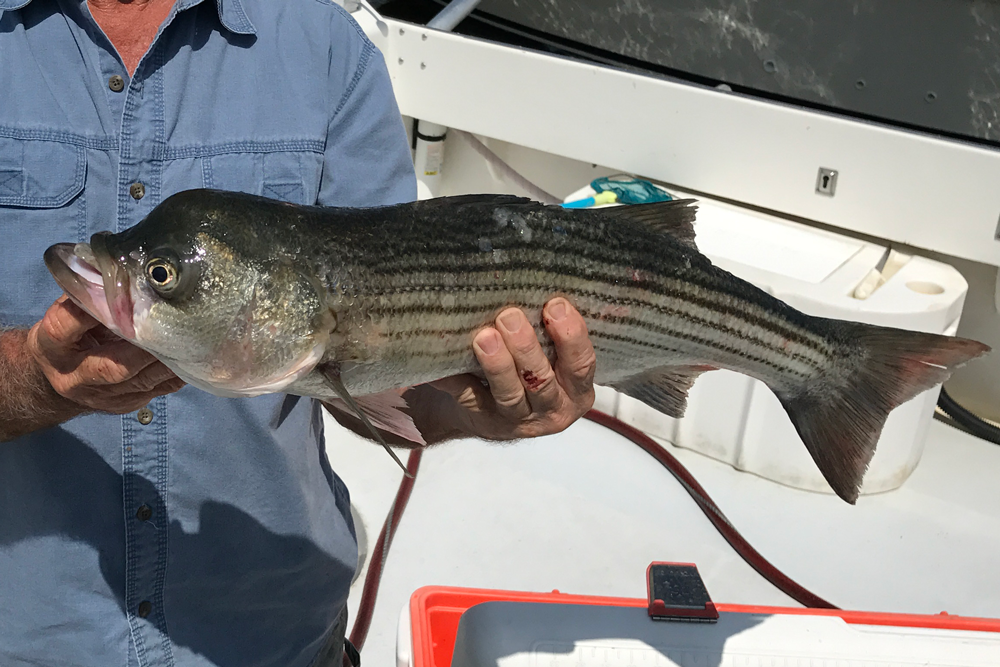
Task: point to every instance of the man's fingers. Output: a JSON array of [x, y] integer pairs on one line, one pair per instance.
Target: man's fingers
[[575, 358], [62, 327], [132, 402], [465, 389], [113, 364], [501, 372], [170, 386], [533, 368], [148, 379]]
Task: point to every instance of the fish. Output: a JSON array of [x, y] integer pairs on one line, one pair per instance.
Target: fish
[[241, 295]]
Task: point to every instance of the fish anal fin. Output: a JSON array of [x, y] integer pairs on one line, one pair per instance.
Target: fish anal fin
[[674, 218], [664, 388], [379, 405]]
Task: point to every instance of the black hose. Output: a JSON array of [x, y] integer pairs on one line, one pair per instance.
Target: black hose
[[968, 421]]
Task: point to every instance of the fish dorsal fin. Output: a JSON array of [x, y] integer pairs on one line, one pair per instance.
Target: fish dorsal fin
[[331, 373], [674, 218], [449, 203], [664, 388]]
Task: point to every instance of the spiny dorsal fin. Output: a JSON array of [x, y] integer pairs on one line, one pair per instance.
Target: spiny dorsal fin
[[664, 388], [674, 218]]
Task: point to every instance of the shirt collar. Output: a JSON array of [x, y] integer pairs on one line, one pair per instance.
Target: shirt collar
[[231, 13]]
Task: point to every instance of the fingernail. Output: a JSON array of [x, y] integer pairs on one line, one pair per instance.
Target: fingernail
[[511, 320], [488, 343], [557, 309]]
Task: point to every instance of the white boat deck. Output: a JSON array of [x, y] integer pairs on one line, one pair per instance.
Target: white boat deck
[[585, 512]]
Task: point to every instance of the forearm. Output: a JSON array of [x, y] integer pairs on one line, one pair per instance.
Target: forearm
[[27, 401]]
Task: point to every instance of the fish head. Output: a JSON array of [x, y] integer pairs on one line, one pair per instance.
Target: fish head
[[200, 288]]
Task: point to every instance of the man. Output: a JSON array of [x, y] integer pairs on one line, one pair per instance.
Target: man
[[147, 523]]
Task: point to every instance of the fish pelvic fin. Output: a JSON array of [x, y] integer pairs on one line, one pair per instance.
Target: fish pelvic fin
[[377, 406], [674, 218], [664, 388], [840, 418]]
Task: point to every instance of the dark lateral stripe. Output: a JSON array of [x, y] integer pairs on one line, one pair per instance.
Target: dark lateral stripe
[[750, 319], [631, 322], [628, 321], [780, 325], [619, 338], [594, 266], [732, 350]]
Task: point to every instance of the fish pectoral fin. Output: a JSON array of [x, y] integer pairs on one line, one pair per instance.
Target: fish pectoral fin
[[376, 407], [385, 412], [664, 388], [674, 218]]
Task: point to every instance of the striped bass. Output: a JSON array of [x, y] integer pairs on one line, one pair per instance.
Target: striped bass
[[241, 295]]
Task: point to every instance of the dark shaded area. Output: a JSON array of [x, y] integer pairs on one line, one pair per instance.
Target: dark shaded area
[[928, 65], [216, 575]]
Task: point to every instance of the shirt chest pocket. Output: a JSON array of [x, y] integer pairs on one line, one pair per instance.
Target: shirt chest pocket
[[291, 176], [40, 204]]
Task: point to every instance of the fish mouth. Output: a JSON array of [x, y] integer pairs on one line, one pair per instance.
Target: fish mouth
[[95, 282]]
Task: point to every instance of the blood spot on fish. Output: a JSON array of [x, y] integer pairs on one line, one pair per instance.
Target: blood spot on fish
[[634, 274], [496, 275], [532, 380]]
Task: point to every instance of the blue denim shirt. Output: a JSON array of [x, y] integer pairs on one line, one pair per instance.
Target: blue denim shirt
[[246, 552]]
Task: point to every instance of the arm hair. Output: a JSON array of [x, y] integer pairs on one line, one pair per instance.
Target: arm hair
[[27, 401]]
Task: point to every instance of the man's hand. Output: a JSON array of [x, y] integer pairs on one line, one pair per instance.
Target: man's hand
[[527, 396], [91, 367]]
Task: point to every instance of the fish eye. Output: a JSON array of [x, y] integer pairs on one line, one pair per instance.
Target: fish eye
[[162, 274]]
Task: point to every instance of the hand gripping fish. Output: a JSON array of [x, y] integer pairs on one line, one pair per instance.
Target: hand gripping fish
[[241, 296]]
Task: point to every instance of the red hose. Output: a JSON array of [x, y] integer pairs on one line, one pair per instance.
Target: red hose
[[359, 633], [753, 558]]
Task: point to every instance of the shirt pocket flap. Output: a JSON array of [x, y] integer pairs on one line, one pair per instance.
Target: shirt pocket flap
[[40, 174]]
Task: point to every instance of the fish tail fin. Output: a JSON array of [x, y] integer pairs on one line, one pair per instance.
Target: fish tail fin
[[840, 416]]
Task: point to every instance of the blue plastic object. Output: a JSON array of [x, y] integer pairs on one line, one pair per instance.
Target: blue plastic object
[[630, 190]]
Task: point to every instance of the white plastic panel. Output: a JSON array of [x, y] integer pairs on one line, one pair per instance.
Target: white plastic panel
[[896, 185], [770, 245], [512, 634]]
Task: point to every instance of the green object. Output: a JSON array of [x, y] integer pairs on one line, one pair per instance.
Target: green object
[[630, 190]]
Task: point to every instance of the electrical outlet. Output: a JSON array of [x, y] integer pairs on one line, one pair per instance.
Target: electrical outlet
[[826, 181]]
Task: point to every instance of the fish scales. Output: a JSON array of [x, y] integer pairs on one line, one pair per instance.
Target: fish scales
[[240, 295], [428, 294]]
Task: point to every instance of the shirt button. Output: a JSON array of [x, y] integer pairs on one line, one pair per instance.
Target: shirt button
[[145, 416], [144, 513], [116, 83], [144, 608], [137, 190]]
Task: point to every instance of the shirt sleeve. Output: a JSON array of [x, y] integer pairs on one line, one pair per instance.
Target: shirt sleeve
[[367, 160]]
